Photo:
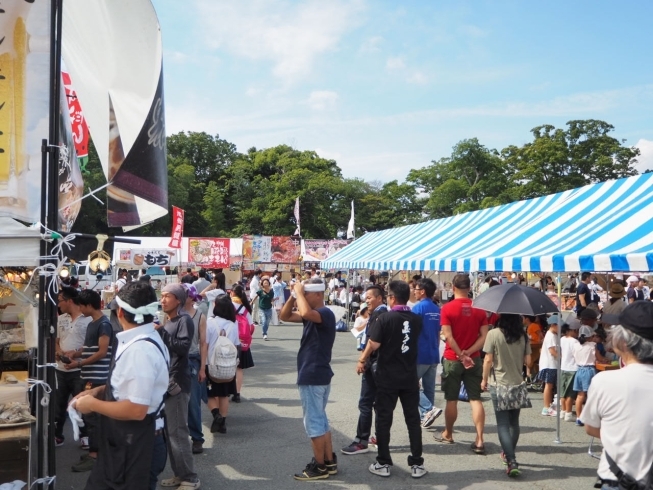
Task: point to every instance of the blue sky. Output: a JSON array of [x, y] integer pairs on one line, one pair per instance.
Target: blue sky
[[386, 86]]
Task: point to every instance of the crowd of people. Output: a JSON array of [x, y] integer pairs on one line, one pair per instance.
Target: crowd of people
[[120, 379]]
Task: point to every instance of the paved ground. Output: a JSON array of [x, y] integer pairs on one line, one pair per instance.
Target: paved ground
[[266, 443]]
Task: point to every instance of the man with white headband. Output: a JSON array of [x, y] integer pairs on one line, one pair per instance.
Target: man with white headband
[[129, 405], [314, 372]]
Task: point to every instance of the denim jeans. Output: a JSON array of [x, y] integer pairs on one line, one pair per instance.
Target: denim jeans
[[426, 372], [386, 401], [507, 427], [265, 317], [177, 436], [365, 407], [195, 403], [314, 401]]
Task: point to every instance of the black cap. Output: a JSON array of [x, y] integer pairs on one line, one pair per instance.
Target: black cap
[[636, 317]]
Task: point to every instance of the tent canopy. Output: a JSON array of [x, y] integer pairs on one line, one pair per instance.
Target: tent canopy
[[599, 227], [19, 245]]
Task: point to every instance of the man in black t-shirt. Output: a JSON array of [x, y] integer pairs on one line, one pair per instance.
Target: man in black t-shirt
[[583, 293], [394, 337], [314, 372]]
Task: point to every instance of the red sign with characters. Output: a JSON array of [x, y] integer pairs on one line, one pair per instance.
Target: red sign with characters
[[209, 252], [80, 128], [177, 227]]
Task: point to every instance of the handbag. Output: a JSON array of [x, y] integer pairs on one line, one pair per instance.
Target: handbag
[[512, 397]]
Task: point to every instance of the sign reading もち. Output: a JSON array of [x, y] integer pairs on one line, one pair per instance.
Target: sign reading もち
[[209, 252], [146, 257]]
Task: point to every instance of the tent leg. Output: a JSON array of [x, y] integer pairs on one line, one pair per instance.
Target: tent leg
[[558, 439]]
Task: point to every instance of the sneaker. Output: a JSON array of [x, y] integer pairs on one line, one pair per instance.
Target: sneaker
[[579, 423], [332, 465], [569, 417], [312, 472], [418, 471], [265, 337], [58, 441], [175, 481], [430, 416], [355, 448], [189, 485], [504, 460], [372, 441], [553, 412], [84, 465], [197, 447], [380, 469], [545, 412], [512, 470], [236, 398], [83, 442]]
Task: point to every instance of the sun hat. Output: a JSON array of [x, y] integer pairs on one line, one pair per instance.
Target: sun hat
[[553, 319], [192, 292], [616, 290], [363, 307], [585, 331], [636, 317]]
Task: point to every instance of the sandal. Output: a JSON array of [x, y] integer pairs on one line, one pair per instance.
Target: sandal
[[440, 438], [478, 449]]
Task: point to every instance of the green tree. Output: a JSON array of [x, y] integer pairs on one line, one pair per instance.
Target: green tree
[[472, 178], [558, 160]]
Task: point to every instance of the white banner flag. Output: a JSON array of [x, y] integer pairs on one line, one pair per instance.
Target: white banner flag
[[297, 231], [350, 228]]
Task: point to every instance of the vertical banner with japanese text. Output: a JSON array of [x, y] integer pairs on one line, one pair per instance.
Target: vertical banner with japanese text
[[177, 227], [209, 252], [77, 121]]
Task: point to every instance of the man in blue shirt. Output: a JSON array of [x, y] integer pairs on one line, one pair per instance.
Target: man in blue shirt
[[314, 372], [428, 349]]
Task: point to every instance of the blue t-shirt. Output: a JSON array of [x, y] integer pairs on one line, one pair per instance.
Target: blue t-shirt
[[314, 356], [428, 345]]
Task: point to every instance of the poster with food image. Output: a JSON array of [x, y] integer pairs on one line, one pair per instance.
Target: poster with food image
[[336, 245], [285, 250], [248, 245], [209, 253], [316, 250]]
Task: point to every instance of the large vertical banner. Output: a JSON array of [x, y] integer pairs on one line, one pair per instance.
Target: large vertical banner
[[71, 184], [113, 52], [24, 104], [77, 121]]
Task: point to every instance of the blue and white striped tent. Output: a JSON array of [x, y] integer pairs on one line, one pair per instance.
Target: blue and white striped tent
[[598, 227]]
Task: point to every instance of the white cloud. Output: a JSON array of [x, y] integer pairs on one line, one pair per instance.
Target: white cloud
[[371, 45], [645, 160], [418, 78], [395, 63], [328, 155], [291, 36], [320, 100]]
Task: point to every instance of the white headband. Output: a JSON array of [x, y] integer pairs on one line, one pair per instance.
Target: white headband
[[151, 309], [314, 287]]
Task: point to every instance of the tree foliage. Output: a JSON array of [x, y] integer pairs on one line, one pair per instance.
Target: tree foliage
[[226, 193]]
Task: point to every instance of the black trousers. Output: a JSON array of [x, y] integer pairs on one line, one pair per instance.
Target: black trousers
[[69, 384], [386, 401], [91, 422]]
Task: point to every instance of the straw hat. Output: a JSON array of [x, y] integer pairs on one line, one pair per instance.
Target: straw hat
[[616, 290]]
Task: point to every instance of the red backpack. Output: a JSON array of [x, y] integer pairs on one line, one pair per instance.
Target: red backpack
[[244, 328]]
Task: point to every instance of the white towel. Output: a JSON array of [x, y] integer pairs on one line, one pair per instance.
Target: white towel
[[15, 485], [75, 419]]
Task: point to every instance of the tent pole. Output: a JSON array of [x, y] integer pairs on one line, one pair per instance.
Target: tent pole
[[558, 439]]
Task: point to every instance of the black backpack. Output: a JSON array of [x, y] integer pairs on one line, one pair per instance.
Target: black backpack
[[627, 482]]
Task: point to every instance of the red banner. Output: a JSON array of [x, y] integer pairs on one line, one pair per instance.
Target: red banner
[[177, 227], [79, 126], [209, 253]]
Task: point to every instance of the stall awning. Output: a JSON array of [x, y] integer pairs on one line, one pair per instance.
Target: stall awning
[[598, 227], [19, 245]]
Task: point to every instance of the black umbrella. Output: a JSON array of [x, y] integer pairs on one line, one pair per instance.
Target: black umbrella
[[516, 299]]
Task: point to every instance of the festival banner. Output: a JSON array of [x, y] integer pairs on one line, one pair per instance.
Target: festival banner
[[113, 52], [316, 250], [336, 245], [177, 227], [209, 253], [285, 250], [77, 121], [257, 248], [71, 184], [24, 105], [143, 257]]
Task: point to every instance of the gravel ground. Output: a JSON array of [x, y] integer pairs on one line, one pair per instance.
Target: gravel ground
[[265, 443]]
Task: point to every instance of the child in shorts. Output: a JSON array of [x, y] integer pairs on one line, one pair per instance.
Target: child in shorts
[[568, 344], [585, 355]]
